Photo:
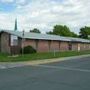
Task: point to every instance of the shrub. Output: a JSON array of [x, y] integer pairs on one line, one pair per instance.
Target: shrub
[[28, 50]]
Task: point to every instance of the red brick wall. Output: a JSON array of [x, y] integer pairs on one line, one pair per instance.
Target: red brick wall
[[81, 46], [55, 45], [28, 42], [75, 46], [43, 46], [87, 46], [84, 46], [64, 46], [5, 43]]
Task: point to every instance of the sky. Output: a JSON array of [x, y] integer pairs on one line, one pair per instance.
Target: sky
[[44, 14]]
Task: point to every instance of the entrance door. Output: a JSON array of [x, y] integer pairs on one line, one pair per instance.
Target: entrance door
[[78, 47], [70, 46]]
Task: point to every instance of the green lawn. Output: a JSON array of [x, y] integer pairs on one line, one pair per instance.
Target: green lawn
[[40, 56]]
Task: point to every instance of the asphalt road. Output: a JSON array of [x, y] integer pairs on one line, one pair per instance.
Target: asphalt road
[[65, 75]]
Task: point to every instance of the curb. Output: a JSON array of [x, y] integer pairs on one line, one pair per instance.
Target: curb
[[6, 65], [45, 61]]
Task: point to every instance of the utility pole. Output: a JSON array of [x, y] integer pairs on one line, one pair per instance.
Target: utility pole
[[54, 50], [23, 32]]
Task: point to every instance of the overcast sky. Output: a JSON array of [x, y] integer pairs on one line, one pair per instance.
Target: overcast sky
[[44, 14]]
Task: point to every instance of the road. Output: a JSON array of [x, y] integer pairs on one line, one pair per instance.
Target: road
[[64, 75]]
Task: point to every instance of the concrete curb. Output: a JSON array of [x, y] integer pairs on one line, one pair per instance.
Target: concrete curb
[[6, 65], [45, 61]]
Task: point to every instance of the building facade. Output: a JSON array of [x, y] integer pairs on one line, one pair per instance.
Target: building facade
[[12, 41]]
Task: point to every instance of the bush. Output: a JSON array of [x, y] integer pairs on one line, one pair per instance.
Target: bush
[[28, 50]]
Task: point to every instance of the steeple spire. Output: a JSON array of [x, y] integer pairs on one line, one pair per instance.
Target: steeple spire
[[15, 28]]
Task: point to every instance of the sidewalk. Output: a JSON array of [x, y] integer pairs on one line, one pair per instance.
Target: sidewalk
[[5, 65], [36, 62]]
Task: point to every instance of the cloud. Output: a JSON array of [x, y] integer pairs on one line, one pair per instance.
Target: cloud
[[6, 21], [6, 1], [45, 14]]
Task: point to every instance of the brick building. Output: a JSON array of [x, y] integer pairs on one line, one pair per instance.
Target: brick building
[[12, 41]]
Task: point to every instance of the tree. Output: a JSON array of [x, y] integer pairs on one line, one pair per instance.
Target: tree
[[74, 34], [50, 32], [35, 30], [84, 32], [62, 31]]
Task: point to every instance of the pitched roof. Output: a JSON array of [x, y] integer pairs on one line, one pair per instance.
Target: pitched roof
[[29, 35]]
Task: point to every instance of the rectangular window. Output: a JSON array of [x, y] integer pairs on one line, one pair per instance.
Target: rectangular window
[[14, 40]]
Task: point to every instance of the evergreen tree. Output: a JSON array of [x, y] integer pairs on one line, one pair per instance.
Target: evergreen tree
[[35, 30]]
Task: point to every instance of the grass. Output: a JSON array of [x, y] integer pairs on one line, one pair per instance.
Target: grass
[[40, 56]]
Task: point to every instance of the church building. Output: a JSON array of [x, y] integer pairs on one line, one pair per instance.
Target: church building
[[11, 41]]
